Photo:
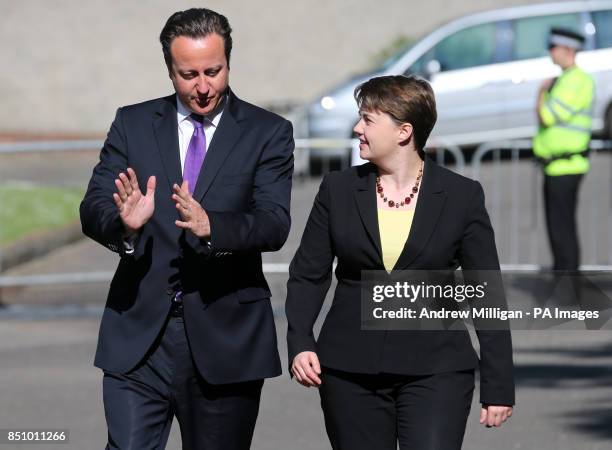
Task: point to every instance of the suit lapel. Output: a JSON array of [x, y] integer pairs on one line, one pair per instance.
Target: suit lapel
[[429, 206], [365, 197], [165, 128], [223, 142]]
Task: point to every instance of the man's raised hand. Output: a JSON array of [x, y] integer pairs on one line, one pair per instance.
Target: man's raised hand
[[135, 209], [193, 216]]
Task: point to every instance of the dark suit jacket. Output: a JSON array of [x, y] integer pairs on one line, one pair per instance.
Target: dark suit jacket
[[245, 187], [450, 228]]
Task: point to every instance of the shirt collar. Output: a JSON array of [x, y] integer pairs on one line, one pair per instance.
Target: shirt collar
[[183, 113]]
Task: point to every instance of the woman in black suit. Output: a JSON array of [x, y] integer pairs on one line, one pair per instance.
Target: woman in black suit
[[399, 211]]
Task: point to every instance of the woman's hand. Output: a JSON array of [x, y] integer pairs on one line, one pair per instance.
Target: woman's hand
[[306, 369], [494, 416]]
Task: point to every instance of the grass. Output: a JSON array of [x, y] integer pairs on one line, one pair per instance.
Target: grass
[[27, 208]]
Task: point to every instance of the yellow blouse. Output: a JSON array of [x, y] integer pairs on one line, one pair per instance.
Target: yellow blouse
[[394, 227]]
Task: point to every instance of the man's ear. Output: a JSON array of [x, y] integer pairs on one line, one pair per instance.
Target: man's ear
[[169, 67], [405, 133]]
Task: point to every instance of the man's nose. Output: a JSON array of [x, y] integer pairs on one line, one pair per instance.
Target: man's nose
[[202, 85]]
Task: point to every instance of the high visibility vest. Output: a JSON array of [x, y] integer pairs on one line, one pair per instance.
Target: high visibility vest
[[565, 132]]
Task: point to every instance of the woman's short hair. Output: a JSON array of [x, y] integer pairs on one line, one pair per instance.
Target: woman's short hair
[[407, 99]]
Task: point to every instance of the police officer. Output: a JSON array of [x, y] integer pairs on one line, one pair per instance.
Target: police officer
[[562, 142]]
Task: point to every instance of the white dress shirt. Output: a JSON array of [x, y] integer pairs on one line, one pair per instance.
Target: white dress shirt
[[185, 128]]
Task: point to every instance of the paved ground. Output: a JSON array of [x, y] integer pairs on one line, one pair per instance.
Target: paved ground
[[563, 397]]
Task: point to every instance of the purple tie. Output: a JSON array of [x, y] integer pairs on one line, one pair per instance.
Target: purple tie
[[195, 152]]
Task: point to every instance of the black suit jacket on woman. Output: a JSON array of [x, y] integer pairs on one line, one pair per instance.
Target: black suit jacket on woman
[[450, 228], [245, 187]]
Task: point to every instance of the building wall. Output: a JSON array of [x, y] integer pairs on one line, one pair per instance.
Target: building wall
[[68, 64]]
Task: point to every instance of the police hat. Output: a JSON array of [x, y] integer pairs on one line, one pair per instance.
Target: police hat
[[566, 38]]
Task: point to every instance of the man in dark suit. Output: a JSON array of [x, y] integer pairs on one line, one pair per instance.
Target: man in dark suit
[[188, 328]]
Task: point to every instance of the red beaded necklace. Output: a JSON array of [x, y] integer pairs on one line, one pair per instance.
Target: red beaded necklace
[[406, 201]]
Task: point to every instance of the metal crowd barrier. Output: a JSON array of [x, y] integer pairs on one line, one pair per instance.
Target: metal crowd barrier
[[50, 146], [494, 150], [505, 160]]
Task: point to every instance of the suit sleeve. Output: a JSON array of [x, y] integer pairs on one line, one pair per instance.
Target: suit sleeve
[[99, 215], [265, 226], [309, 276], [478, 252]]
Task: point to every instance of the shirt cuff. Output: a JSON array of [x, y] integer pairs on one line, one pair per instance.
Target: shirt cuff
[[129, 244]]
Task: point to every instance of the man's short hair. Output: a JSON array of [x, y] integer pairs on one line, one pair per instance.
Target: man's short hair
[[407, 99], [195, 23]]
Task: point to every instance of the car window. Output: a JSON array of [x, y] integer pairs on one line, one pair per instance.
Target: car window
[[470, 47], [474, 46], [418, 67], [603, 28], [531, 33], [397, 55]]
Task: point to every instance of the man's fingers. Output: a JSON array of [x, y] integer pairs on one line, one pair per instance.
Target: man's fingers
[[182, 212], [133, 179], [181, 224], [121, 190], [118, 201], [180, 201], [151, 182], [126, 183], [182, 193]]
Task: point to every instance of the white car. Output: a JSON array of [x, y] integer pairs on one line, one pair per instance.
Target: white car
[[485, 69]]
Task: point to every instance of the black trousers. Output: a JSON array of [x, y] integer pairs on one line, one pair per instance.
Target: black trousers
[[378, 411], [141, 404], [560, 199]]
